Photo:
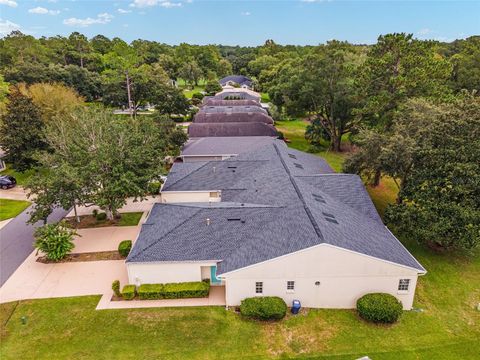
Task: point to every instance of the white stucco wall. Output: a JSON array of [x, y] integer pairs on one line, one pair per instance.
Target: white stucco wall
[[166, 272], [344, 277], [189, 196]]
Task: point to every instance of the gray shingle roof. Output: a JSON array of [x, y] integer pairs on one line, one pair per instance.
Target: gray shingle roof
[[285, 209], [231, 129], [226, 109], [239, 79], [237, 117], [209, 101], [235, 95], [225, 145]]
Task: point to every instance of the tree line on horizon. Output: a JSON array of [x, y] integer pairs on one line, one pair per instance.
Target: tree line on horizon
[[409, 107]]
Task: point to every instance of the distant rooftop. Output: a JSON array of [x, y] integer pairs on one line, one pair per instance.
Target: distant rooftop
[[207, 146]]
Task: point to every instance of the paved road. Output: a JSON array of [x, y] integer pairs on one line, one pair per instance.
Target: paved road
[[16, 241]]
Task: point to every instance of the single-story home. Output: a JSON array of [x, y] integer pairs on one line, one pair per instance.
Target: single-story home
[[272, 222], [237, 117], [211, 101], [239, 80], [229, 109], [231, 129], [221, 148]]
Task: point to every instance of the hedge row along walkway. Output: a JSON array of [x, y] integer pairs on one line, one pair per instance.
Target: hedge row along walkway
[[215, 298]]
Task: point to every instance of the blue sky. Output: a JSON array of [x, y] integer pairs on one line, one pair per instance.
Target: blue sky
[[242, 22]]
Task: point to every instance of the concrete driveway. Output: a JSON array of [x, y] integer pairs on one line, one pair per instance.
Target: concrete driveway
[[34, 280], [16, 193], [104, 239], [131, 206]]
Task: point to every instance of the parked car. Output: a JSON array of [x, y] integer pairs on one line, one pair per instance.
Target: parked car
[[7, 181]]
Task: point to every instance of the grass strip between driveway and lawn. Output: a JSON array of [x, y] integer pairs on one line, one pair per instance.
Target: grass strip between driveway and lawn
[[89, 221], [11, 208]]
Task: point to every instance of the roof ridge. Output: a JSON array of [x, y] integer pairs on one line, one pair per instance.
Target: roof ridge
[[299, 194]]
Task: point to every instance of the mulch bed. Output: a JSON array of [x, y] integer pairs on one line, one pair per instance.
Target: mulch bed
[[89, 221], [82, 257]]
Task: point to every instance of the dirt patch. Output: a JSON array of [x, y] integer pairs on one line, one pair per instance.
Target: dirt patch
[[82, 257]]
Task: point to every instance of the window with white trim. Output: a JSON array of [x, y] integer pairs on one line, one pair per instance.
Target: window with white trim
[[259, 287], [403, 284], [290, 285]]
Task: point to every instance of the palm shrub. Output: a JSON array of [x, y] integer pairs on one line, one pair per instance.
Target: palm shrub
[[379, 308], [55, 240]]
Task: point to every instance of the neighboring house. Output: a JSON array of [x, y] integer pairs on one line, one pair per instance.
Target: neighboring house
[[210, 101], [237, 80], [272, 222], [227, 117], [233, 109], [231, 129], [221, 148], [231, 93]]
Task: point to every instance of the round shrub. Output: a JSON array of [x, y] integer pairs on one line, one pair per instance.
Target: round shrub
[[124, 247], [379, 308], [116, 288], [264, 308], [101, 216]]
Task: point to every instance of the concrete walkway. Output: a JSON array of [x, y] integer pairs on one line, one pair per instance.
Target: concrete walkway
[[104, 239], [16, 193], [215, 298]]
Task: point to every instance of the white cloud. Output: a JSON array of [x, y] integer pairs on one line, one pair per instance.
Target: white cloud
[[123, 11], [6, 27], [10, 3], [43, 11], [104, 18], [169, 5], [149, 3], [245, 13]]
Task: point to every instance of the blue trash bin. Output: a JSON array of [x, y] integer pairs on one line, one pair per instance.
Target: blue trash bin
[[296, 306]]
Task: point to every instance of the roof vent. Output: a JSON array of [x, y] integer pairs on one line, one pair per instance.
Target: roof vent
[[319, 198], [328, 215], [292, 156], [208, 221], [234, 219], [297, 165]]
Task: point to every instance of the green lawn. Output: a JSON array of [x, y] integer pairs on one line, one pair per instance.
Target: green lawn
[[11, 208], [21, 177], [448, 328], [130, 218]]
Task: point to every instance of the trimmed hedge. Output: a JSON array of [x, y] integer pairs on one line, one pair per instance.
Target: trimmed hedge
[[128, 292], [116, 288], [101, 216], [379, 308], [264, 308], [150, 291], [173, 290], [124, 247]]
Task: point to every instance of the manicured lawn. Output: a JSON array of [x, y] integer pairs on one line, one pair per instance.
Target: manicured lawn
[[89, 221], [294, 131], [448, 327], [11, 208], [21, 177]]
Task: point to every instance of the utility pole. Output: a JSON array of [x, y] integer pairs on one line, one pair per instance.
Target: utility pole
[[130, 107]]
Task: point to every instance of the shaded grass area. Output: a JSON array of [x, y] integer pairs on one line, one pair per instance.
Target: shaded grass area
[[11, 208], [447, 328], [89, 221]]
